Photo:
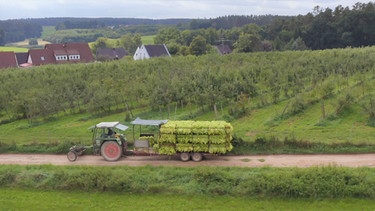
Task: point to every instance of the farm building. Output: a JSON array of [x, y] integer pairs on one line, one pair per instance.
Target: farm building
[[8, 60], [150, 51], [223, 49], [106, 54], [61, 53]]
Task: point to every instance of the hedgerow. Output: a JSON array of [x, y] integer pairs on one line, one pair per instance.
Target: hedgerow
[[313, 182]]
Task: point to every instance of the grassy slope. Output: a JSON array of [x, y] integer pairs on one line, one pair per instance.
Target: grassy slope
[[308, 125], [348, 128]]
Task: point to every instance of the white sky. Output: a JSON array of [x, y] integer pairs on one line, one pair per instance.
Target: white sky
[[160, 9]]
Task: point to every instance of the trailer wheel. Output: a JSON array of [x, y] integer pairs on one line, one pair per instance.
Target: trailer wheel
[[197, 157], [185, 156], [111, 151], [72, 156]]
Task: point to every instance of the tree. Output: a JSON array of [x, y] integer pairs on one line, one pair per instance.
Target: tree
[[137, 39], [173, 48], [166, 34], [100, 43], [186, 37], [296, 45], [198, 46], [2, 37], [184, 51], [248, 43], [130, 43]]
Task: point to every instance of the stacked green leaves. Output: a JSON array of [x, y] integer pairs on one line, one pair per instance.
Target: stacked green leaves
[[148, 138], [195, 136]]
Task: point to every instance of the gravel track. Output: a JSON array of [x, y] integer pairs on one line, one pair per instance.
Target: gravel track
[[348, 160]]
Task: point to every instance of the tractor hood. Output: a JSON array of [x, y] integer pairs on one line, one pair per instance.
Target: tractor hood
[[110, 125]]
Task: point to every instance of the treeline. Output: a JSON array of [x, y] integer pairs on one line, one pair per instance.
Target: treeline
[[110, 21], [328, 28], [89, 24], [18, 30], [232, 21], [207, 82], [79, 35], [322, 29]]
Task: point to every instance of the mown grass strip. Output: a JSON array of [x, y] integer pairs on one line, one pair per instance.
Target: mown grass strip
[[26, 199]]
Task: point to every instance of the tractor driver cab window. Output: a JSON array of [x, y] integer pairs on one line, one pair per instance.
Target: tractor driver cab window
[[110, 132]]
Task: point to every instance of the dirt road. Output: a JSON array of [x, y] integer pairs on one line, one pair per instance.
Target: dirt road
[[357, 160]]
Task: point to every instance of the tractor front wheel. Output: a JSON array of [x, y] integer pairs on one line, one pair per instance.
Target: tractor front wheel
[[111, 151], [72, 156]]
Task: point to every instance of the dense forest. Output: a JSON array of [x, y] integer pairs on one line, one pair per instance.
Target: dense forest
[[321, 29], [18, 30]]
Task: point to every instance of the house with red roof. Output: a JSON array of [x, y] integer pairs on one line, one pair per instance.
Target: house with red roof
[[39, 57], [61, 53], [8, 60], [71, 52], [51, 54]]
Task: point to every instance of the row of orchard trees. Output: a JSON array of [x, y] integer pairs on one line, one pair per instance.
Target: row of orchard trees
[[203, 82]]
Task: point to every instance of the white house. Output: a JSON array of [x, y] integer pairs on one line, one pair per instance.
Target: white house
[[149, 51]]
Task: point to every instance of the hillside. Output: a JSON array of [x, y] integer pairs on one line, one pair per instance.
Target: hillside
[[313, 96]]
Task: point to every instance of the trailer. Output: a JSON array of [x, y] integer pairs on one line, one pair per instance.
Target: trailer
[[190, 140]]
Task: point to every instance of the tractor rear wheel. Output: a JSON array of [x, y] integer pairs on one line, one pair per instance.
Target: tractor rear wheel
[[185, 156], [72, 156], [111, 151], [197, 157]]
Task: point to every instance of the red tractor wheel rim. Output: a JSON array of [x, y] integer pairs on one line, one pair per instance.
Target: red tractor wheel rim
[[112, 150]]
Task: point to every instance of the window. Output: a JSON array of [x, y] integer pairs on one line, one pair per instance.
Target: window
[[42, 58], [61, 58], [74, 57]]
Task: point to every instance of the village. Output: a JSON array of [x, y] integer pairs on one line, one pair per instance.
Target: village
[[81, 53]]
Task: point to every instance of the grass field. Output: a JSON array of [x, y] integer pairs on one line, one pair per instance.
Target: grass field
[[148, 40], [25, 43], [14, 49], [23, 199], [23, 46]]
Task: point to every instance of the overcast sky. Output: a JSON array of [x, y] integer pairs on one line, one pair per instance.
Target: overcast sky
[[160, 9]]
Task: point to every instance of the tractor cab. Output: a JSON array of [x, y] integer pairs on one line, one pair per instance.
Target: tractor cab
[[107, 141], [108, 131]]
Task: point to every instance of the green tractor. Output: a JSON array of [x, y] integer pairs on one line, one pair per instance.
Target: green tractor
[[107, 141]]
